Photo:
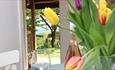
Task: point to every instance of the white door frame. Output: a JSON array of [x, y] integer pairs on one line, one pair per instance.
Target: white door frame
[[64, 35], [22, 35]]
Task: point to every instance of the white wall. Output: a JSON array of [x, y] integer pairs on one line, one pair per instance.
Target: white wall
[[9, 36], [11, 28]]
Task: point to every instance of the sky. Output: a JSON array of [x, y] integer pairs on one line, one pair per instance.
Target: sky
[[42, 30]]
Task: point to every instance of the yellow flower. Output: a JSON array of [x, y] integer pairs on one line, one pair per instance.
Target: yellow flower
[[51, 16], [104, 12], [103, 2], [104, 15], [102, 6]]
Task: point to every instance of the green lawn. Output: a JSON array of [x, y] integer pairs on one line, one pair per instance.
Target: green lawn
[[54, 52]]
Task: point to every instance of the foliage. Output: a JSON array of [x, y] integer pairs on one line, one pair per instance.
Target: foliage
[[43, 40], [38, 20]]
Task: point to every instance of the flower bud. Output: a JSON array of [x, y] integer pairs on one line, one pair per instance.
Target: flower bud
[[78, 4]]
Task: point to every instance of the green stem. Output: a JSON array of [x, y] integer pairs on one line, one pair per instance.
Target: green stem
[[92, 50]]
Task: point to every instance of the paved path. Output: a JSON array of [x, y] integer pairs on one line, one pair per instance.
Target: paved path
[[46, 60]]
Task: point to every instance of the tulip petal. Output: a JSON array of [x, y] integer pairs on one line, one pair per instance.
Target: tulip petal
[[51, 16], [79, 65], [74, 63], [113, 1], [104, 12], [78, 4]]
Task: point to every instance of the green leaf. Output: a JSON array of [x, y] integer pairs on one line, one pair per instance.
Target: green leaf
[[75, 10], [75, 19], [91, 59], [110, 26], [113, 55], [86, 37], [85, 15], [103, 51], [111, 46], [78, 33], [111, 20], [94, 11], [97, 24], [96, 36]]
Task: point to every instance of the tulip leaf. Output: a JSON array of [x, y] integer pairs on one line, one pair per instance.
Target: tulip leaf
[[73, 17], [96, 36], [87, 39], [85, 15], [103, 51], [80, 29], [98, 26], [110, 26], [94, 11], [91, 59], [112, 45], [113, 55], [75, 10], [73, 7], [85, 36], [77, 31]]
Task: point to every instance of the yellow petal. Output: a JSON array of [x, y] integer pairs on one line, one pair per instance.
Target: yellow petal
[[104, 15], [103, 2], [102, 5], [51, 16], [106, 12]]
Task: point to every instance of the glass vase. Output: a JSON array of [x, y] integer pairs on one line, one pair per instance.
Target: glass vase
[[104, 63]]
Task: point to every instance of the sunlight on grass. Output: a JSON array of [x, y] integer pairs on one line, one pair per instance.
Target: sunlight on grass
[[53, 52]]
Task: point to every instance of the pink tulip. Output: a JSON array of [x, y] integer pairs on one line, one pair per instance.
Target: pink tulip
[[113, 1], [78, 4], [74, 63]]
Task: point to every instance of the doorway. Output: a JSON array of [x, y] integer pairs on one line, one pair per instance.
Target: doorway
[[39, 35]]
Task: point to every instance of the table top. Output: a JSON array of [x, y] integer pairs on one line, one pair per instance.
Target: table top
[[47, 67]]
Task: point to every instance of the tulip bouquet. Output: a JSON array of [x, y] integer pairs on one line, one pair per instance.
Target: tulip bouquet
[[94, 22]]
